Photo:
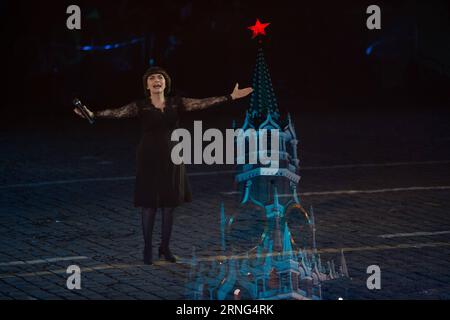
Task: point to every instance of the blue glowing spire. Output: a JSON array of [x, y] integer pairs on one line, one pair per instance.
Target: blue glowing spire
[[263, 101], [287, 245], [223, 222], [344, 269], [313, 222], [268, 259], [193, 264]]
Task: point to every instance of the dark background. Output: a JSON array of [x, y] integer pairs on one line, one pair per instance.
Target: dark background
[[317, 54], [366, 123]]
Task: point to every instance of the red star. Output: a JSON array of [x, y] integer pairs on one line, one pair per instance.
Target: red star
[[258, 28]]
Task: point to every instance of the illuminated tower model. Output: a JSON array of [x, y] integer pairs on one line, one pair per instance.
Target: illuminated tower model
[[276, 268]]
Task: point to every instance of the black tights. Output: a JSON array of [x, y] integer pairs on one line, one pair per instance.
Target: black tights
[[148, 221]]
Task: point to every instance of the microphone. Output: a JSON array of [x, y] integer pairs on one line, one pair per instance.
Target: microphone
[[80, 106]]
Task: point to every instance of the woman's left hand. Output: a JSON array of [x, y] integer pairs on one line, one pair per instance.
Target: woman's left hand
[[240, 93]]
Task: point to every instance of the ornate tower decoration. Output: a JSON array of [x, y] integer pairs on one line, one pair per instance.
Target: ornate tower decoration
[[276, 268]]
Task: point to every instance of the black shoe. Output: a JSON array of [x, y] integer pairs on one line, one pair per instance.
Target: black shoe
[[168, 256], [148, 257]]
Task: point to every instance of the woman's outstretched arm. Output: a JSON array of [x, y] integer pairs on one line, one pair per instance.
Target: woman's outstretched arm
[[199, 104], [128, 111], [191, 104]]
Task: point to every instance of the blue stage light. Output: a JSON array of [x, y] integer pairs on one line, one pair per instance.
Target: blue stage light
[[111, 46], [370, 48]]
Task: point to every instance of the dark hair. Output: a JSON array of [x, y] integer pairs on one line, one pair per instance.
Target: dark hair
[[156, 70]]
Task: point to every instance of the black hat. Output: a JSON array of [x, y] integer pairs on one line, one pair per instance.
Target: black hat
[[157, 70]]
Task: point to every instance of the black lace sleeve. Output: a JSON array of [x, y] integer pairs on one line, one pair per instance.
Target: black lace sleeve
[[130, 110], [190, 104]]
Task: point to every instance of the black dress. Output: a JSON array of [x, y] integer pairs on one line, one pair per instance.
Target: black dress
[[159, 182]]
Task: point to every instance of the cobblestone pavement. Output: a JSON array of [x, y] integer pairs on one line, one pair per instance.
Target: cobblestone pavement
[[66, 198]]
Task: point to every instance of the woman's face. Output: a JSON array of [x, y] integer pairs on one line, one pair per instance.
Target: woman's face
[[156, 83]]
